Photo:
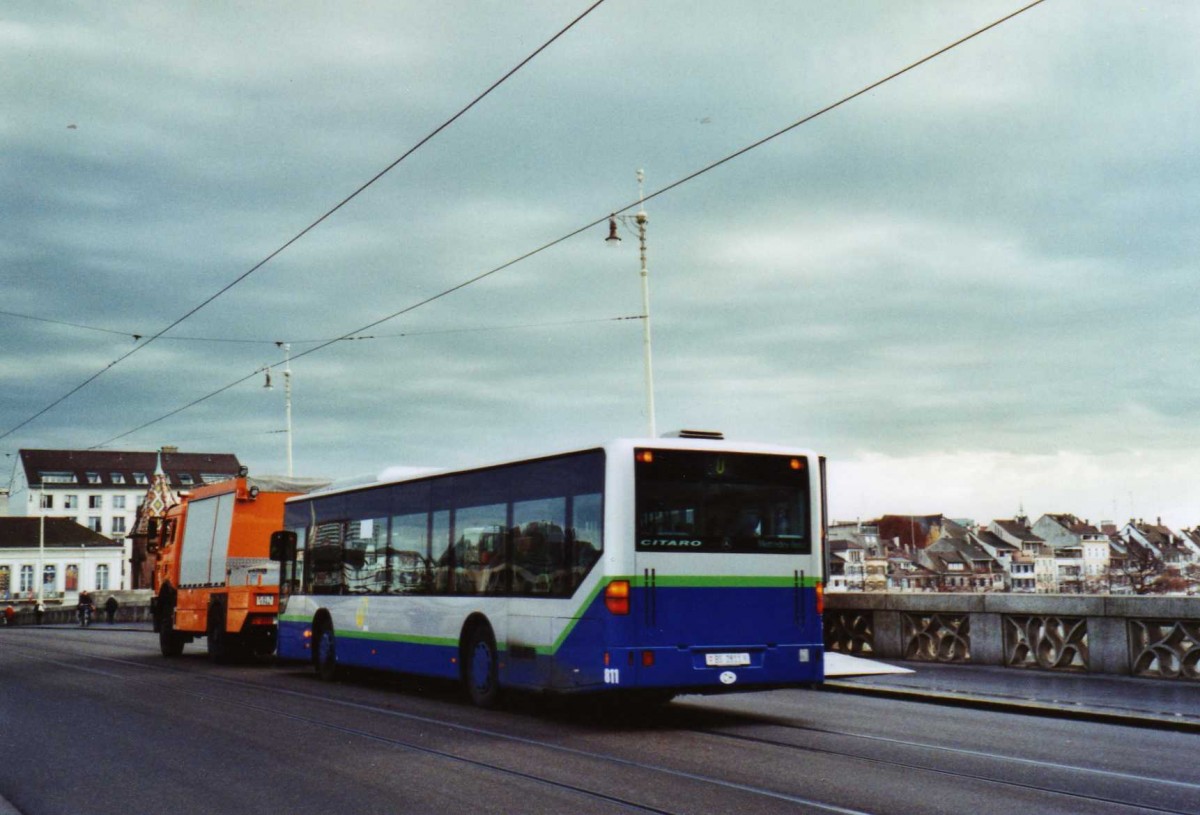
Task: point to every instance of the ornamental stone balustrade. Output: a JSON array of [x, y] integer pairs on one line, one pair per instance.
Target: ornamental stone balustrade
[[1132, 636]]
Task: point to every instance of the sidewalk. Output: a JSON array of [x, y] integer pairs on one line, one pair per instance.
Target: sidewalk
[[1097, 697]]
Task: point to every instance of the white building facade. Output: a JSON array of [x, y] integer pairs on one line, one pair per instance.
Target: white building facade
[[53, 559], [102, 489]]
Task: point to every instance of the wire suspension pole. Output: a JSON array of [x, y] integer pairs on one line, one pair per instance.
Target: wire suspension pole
[[287, 401], [642, 219]]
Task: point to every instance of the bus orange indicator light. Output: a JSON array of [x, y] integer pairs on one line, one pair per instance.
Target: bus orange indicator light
[[607, 659], [797, 464], [820, 598], [645, 456], [647, 659], [616, 597]]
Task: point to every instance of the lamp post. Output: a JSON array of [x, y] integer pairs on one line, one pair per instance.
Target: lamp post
[[287, 397], [640, 219], [40, 577]]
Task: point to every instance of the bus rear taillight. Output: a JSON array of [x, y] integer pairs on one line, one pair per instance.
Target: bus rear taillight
[[820, 597], [616, 597]]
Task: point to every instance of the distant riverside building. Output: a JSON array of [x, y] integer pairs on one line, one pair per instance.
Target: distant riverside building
[[102, 489], [1059, 554]]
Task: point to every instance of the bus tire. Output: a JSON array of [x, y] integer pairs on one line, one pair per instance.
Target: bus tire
[[324, 651], [480, 667], [170, 643]]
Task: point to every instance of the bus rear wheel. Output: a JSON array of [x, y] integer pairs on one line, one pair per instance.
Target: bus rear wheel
[[480, 672]]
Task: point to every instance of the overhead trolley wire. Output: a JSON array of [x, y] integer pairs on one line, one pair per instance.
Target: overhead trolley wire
[[248, 341], [602, 219], [311, 226], [72, 325]]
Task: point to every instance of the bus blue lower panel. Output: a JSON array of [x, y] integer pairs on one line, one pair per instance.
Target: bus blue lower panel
[[689, 639]]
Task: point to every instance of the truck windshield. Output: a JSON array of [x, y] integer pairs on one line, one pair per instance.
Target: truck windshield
[[693, 501]]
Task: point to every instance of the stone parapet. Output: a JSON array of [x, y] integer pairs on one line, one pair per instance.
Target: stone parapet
[[1139, 636]]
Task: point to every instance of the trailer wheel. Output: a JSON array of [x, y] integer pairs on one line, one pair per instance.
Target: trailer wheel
[[324, 651], [480, 673]]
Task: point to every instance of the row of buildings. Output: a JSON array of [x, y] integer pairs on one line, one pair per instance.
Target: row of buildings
[[1057, 554], [68, 521], [67, 524]]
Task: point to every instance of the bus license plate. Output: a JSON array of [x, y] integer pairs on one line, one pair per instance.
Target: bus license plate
[[725, 660]]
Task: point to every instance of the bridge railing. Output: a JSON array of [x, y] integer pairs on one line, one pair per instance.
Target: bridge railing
[[1132, 636]]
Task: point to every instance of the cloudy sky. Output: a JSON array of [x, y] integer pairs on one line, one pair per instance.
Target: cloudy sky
[[973, 288]]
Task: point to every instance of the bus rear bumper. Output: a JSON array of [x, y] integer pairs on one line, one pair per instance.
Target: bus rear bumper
[[710, 669]]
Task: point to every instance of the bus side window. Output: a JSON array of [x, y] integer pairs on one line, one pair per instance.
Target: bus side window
[[441, 555], [410, 569], [325, 557], [584, 536]]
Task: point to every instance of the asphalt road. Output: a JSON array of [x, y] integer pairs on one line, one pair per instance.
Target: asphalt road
[[95, 721]]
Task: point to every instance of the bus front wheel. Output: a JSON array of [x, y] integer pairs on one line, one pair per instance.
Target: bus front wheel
[[480, 673], [324, 651]]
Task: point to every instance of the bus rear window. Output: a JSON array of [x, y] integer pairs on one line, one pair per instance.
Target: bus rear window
[[696, 501]]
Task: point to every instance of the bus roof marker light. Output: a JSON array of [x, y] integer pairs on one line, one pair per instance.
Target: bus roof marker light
[[645, 456], [797, 464]]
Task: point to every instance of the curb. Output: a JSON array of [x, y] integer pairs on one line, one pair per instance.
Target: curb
[[1073, 710]]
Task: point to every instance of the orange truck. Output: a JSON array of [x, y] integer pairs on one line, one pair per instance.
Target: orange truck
[[214, 577]]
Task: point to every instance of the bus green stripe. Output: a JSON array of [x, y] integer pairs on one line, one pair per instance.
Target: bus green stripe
[[661, 581]]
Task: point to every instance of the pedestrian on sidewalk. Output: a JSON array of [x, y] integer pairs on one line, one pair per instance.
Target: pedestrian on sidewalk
[[110, 608], [10, 615], [39, 611]]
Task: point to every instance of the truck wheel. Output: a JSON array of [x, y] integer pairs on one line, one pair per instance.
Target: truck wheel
[[480, 672], [324, 651], [169, 642], [219, 646]]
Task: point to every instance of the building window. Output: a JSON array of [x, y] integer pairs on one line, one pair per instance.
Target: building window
[[213, 478], [49, 578], [70, 502], [57, 477], [72, 577], [117, 478], [47, 501], [93, 478], [185, 478], [95, 502], [118, 502], [93, 523], [26, 579], [140, 478], [102, 577], [118, 527], [4, 582]]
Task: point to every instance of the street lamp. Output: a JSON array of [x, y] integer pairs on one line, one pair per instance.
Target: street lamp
[[287, 396], [640, 219]]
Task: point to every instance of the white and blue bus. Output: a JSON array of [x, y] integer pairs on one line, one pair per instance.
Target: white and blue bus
[[664, 566]]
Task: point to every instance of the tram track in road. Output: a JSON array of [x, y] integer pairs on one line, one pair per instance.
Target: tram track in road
[[976, 754], [472, 730], [679, 720]]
